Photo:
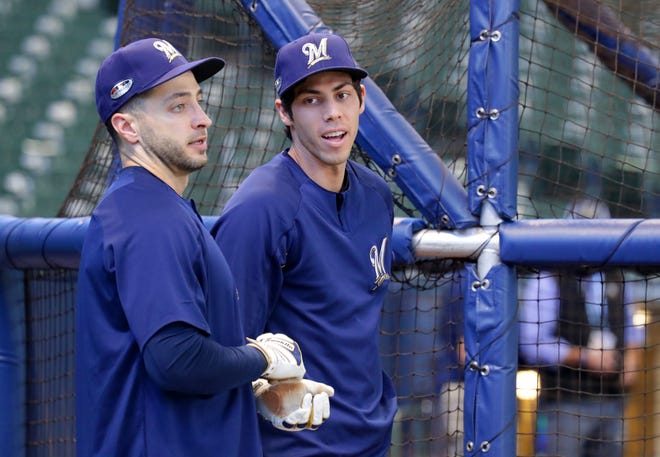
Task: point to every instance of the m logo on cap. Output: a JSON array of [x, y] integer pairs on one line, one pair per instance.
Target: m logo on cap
[[316, 54], [167, 49]]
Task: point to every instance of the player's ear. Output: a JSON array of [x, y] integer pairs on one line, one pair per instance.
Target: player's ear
[[125, 126], [284, 116], [364, 97]]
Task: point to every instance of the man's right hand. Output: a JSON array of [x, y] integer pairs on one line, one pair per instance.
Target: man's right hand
[[293, 405], [282, 354]]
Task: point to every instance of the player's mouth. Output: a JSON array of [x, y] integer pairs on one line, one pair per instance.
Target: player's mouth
[[199, 142], [335, 136]]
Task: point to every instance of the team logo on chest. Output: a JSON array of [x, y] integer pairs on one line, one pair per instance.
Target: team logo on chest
[[314, 53], [378, 262]]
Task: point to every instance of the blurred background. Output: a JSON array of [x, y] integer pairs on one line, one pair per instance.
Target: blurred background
[[50, 51]]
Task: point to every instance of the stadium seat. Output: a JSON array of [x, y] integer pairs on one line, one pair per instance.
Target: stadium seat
[[47, 112]]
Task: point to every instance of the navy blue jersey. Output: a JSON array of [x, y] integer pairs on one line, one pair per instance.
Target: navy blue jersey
[[315, 265], [148, 261]]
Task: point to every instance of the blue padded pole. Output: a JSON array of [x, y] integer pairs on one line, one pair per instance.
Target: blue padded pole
[[491, 324], [57, 242], [493, 106], [393, 144], [121, 6], [491, 348], [41, 242], [8, 384], [563, 242]]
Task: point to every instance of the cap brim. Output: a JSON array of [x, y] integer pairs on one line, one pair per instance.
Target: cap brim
[[205, 68], [358, 73]]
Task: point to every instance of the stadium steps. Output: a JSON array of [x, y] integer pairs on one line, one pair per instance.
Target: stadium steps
[[48, 60]]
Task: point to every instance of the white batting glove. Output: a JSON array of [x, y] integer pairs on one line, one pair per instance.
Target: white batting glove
[[282, 354], [293, 405]]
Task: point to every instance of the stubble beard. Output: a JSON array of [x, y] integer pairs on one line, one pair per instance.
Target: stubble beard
[[172, 154]]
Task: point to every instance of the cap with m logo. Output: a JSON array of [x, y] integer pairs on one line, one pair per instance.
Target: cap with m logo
[[143, 65], [312, 54]]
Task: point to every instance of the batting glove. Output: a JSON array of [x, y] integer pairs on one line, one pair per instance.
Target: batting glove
[[293, 405], [282, 354]]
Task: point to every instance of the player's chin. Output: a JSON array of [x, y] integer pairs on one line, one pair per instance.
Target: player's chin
[[197, 161], [198, 153], [337, 156], [202, 161]]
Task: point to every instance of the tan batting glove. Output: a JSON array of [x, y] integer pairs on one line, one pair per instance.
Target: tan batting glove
[[282, 355], [293, 405]]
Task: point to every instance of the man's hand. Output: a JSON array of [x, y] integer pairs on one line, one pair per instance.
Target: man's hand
[[601, 360], [293, 405], [632, 366], [282, 355]]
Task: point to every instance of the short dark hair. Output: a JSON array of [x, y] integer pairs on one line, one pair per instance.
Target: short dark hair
[[135, 103]]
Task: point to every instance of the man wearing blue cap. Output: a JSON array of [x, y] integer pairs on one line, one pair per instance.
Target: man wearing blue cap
[[162, 368], [307, 237]]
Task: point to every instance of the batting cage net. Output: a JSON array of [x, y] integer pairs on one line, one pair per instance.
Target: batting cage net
[[588, 140]]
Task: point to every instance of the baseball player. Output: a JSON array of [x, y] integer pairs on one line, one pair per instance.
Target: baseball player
[[162, 368], [307, 237]]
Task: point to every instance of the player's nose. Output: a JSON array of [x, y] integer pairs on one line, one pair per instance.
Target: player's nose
[[201, 119]]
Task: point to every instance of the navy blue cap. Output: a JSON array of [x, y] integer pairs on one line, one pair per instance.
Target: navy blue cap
[[143, 65], [311, 54]]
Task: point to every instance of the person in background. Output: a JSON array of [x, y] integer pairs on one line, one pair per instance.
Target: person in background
[[162, 368], [307, 237], [576, 328], [422, 340]]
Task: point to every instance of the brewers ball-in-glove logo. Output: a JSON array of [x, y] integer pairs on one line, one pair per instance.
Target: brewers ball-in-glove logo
[[316, 54], [166, 48], [378, 262]]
